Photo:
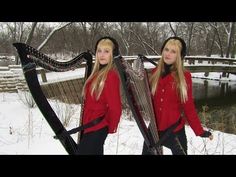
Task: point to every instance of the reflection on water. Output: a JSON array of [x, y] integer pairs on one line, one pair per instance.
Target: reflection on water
[[216, 103], [221, 92]]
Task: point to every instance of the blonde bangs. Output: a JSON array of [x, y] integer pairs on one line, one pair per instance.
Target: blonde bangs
[[106, 43], [176, 44]]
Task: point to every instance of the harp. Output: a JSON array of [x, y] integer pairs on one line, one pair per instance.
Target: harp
[[137, 92], [30, 58], [140, 95]]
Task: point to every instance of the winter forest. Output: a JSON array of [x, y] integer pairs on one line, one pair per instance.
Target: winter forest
[[202, 38], [23, 129]]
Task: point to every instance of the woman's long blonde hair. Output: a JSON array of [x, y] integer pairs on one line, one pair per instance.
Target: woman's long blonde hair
[[99, 75], [177, 70]]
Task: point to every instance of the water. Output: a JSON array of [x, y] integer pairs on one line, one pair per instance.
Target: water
[[216, 103]]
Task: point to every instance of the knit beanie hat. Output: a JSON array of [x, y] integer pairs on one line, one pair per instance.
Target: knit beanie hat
[[184, 48], [116, 51]]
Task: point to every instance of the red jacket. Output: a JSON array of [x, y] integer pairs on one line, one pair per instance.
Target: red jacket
[[108, 105], [168, 107]]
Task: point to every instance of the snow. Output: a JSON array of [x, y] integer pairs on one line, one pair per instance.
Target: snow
[[215, 76], [24, 130], [60, 76]]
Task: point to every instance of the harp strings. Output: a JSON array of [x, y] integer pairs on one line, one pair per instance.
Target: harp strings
[[140, 86], [50, 64]]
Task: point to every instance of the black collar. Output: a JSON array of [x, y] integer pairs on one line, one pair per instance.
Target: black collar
[[167, 70], [102, 66]]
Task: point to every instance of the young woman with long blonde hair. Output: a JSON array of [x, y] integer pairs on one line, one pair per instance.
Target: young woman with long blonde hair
[[102, 98], [171, 88]]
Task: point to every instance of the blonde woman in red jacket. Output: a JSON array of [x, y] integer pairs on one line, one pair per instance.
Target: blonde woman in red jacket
[[171, 87], [102, 99]]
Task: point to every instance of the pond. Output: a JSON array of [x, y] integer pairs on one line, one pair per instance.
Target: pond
[[216, 103]]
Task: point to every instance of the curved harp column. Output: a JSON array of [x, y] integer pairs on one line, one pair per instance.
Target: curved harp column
[[30, 58]]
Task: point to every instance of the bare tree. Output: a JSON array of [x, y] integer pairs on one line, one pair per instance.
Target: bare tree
[[89, 33], [125, 35], [144, 43], [219, 43], [95, 29], [174, 28], [234, 48], [230, 33], [16, 32], [133, 37], [190, 34], [202, 33], [153, 30], [51, 34], [24, 31], [107, 28], [30, 36]]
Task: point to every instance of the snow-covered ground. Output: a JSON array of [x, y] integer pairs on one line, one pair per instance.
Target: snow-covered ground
[[24, 130]]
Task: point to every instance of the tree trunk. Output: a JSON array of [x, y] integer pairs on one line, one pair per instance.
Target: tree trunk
[[212, 44], [221, 48], [172, 29], [190, 32], [51, 34], [233, 51], [229, 42], [30, 36]]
